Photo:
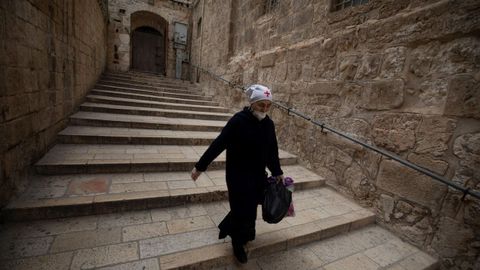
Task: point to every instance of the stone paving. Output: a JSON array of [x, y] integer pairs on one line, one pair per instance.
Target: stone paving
[[151, 237], [126, 203]]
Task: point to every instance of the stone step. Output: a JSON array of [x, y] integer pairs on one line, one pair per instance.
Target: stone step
[[183, 236], [147, 79], [145, 122], [112, 135], [153, 104], [123, 109], [150, 85], [145, 75], [159, 93], [369, 247], [121, 94], [85, 158], [84, 194]]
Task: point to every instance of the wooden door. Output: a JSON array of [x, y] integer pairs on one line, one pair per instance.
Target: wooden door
[[148, 52]]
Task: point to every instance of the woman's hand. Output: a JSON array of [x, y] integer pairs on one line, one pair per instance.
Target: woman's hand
[[195, 174], [280, 178]]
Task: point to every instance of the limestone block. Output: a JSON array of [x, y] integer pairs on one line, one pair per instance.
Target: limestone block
[[414, 234], [383, 95], [105, 255], [124, 39], [387, 205], [19, 248], [402, 208], [15, 106], [452, 237], [325, 68], [150, 264], [395, 132], [467, 149], [369, 66], [463, 97], [458, 56], [348, 67], [410, 184], [267, 60], [394, 62], [435, 165], [54, 261], [303, 17], [431, 95], [307, 72], [421, 58], [472, 212], [280, 71], [434, 135], [357, 181], [17, 130], [86, 239]]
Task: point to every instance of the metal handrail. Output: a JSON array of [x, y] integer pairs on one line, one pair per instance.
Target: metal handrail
[[290, 111]]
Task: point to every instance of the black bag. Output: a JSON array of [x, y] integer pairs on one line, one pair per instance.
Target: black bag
[[276, 202]]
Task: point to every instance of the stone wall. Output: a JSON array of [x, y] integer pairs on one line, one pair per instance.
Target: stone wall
[[51, 54], [120, 29], [400, 75]]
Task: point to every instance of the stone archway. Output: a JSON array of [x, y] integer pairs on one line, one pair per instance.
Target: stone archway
[[148, 42]]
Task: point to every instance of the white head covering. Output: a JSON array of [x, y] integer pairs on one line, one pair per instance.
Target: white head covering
[[257, 92]]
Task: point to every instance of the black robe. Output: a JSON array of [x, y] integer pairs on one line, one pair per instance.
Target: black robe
[[251, 147]]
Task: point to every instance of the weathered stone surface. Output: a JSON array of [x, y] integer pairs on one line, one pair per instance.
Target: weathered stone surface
[[434, 135], [35, 71], [295, 259], [19, 248], [48, 262], [357, 181], [472, 212], [360, 261], [369, 66], [463, 98], [382, 95], [148, 264], [451, 237], [438, 166], [88, 186], [387, 205], [420, 59], [348, 67], [409, 184], [173, 243], [395, 132], [457, 56], [467, 149], [267, 60], [105, 255], [390, 252], [144, 231], [393, 62], [86, 239]]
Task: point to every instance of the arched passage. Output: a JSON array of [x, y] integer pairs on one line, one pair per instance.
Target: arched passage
[[149, 38]]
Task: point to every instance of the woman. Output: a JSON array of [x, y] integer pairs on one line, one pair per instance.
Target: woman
[[250, 140]]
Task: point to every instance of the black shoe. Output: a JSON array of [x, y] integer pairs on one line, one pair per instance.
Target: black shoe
[[240, 254]]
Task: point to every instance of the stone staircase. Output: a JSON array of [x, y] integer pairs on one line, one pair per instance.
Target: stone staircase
[[115, 193]]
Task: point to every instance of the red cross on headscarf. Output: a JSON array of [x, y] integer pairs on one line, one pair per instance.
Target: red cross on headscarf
[[267, 93]]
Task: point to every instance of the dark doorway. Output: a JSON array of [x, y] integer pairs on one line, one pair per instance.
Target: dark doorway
[[148, 50]]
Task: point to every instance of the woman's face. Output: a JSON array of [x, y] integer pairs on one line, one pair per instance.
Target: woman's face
[[261, 106]]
